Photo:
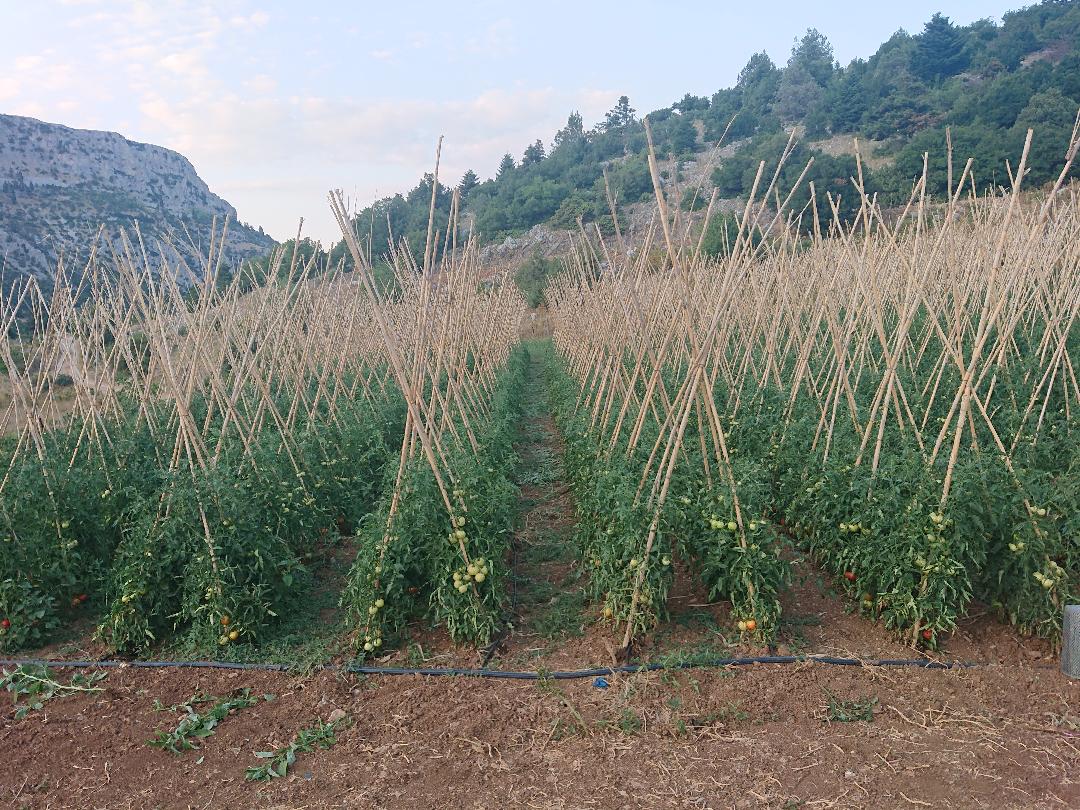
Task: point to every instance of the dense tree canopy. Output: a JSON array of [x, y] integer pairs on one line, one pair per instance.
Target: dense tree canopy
[[989, 82], [941, 51]]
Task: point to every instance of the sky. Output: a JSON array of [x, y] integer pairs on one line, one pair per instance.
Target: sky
[[276, 103]]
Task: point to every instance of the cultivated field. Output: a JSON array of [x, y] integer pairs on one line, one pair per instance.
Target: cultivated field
[[857, 442]]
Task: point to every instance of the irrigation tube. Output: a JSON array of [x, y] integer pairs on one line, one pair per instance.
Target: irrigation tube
[[360, 669]]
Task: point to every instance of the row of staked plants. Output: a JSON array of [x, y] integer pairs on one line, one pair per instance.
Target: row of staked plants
[[1005, 537], [697, 525], [410, 564], [1008, 535], [215, 552], [900, 404]]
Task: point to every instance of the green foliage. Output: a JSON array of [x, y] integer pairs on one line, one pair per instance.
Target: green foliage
[[621, 116], [696, 524], [506, 166], [941, 52], [859, 710], [196, 725], [974, 78], [468, 182], [809, 71], [534, 153], [322, 736], [814, 54], [532, 275], [723, 233], [164, 550], [905, 560], [393, 581], [32, 686], [832, 176], [978, 79]]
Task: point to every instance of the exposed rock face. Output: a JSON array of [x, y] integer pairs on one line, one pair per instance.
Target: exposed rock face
[[513, 250], [59, 185]]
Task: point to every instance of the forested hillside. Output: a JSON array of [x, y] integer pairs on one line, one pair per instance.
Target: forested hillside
[[988, 82]]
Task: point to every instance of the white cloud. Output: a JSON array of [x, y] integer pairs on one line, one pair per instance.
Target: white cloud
[[258, 19], [495, 41], [186, 63], [261, 84], [30, 62], [294, 149], [168, 73]]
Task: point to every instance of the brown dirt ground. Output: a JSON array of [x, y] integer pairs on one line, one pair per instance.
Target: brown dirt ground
[[755, 737], [1006, 734]]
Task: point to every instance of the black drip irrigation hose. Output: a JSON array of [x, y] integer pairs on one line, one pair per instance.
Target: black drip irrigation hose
[[360, 669]]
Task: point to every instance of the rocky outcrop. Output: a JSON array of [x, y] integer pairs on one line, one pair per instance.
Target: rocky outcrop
[[59, 186]]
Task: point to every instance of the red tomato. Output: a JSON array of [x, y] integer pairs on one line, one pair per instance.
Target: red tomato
[[849, 576], [6, 623], [928, 634], [751, 625]]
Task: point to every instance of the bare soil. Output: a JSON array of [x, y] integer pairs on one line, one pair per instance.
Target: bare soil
[[998, 736], [1002, 734]]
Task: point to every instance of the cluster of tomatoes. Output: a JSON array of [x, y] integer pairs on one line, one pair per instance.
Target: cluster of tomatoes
[[476, 571], [373, 639], [227, 635]]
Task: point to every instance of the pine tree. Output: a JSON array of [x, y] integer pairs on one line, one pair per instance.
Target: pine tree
[[940, 52], [573, 132], [682, 135], [533, 153], [506, 165], [619, 116], [814, 54], [469, 181], [798, 94]]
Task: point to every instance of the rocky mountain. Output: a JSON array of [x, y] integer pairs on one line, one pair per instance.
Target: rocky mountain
[[59, 185]]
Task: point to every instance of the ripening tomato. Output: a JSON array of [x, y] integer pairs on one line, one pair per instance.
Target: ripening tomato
[[751, 625], [225, 621], [928, 634], [849, 576]]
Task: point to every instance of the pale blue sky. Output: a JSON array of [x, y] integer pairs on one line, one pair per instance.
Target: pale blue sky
[[277, 102]]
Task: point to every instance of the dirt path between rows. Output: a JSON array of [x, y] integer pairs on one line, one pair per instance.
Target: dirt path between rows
[[1006, 734]]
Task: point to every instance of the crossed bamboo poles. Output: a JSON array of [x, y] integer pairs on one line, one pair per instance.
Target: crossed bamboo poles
[[262, 354], [924, 308], [905, 303], [463, 331]]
